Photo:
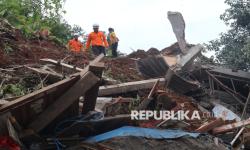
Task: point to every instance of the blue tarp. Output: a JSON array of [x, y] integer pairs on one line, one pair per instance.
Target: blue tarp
[[141, 132], [222, 112]]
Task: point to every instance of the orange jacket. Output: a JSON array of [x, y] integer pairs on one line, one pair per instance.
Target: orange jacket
[[75, 46], [96, 39]]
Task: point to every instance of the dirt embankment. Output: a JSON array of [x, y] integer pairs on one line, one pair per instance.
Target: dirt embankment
[[124, 68], [15, 49]]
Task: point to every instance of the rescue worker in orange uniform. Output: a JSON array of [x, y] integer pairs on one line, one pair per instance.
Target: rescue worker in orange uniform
[[98, 41], [75, 45]]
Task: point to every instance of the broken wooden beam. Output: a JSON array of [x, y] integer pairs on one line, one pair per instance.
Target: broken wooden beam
[[64, 101], [237, 136], [227, 89], [46, 72], [153, 90], [210, 125], [225, 72], [128, 87], [92, 94], [230, 127], [61, 64], [3, 119], [22, 108], [36, 95], [3, 102], [97, 59], [245, 107], [168, 77], [144, 104], [12, 132]]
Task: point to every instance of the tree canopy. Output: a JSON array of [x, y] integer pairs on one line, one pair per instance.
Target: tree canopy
[[31, 16], [233, 47]]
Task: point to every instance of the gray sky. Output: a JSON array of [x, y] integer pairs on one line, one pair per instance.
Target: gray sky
[[142, 24]]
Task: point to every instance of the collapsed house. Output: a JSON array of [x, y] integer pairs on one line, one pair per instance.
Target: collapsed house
[[72, 104]]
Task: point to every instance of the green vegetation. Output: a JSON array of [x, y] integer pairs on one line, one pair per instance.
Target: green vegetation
[[13, 89], [32, 16], [233, 47]]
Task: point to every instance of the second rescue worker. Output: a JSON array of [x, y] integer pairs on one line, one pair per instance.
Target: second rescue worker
[[75, 45], [97, 40]]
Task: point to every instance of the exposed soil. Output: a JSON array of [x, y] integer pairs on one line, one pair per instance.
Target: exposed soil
[[144, 54], [15, 49], [138, 54], [173, 49], [122, 69]]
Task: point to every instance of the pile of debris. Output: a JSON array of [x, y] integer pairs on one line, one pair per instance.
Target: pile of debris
[[55, 102], [124, 68], [139, 54], [106, 111]]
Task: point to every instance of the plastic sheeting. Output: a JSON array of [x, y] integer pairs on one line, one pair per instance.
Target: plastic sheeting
[[142, 132], [220, 111]]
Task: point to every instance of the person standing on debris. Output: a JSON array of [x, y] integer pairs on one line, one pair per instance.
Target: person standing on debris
[[113, 42], [75, 45], [97, 40]]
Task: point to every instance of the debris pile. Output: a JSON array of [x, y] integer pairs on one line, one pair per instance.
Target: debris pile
[[51, 99], [122, 69], [138, 54], [174, 49], [153, 51]]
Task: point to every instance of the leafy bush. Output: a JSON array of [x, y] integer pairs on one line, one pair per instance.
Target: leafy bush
[[31, 16]]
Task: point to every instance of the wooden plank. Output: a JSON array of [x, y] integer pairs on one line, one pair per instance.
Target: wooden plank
[[210, 125], [12, 132], [245, 107], [231, 78], [20, 107], [45, 72], [152, 92], [61, 64], [36, 95], [63, 102], [3, 119], [92, 94], [168, 77], [237, 136], [97, 59], [144, 104], [227, 89], [230, 127], [3, 102], [128, 87], [224, 71]]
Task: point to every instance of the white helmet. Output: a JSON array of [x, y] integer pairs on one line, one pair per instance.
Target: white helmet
[[95, 25]]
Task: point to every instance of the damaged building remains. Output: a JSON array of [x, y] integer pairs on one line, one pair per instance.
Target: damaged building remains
[[51, 99]]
